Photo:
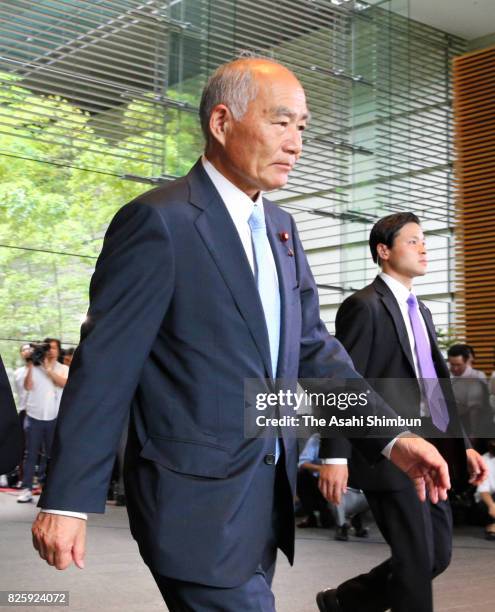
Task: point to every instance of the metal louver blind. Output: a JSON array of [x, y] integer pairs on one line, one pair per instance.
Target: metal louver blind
[[121, 80], [113, 87], [402, 160], [313, 39], [98, 83]]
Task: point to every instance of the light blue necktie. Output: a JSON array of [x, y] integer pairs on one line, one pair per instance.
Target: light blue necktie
[[266, 282]]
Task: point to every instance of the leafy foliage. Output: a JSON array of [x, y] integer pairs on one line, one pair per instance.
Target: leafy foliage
[[64, 202]]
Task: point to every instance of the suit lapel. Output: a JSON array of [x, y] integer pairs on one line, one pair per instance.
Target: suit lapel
[[391, 305], [428, 322], [438, 360], [220, 236]]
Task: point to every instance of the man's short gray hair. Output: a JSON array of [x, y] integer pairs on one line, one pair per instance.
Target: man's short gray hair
[[233, 84]]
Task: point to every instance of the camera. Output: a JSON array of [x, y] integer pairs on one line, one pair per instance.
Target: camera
[[39, 350]]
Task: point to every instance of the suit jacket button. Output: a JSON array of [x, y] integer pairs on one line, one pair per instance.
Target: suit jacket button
[[269, 459]]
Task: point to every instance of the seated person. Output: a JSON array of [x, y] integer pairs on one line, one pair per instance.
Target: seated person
[[353, 506], [485, 493], [353, 502], [312, 501], [470, 391]]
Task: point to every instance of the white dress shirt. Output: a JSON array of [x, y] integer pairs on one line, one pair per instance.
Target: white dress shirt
[[240, 207], [43, 400], [470, 372]]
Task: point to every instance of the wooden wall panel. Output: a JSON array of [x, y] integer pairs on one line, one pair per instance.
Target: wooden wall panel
[[474, 141]]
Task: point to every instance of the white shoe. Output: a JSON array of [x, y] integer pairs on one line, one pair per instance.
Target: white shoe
[[25, 496], [3, 481]]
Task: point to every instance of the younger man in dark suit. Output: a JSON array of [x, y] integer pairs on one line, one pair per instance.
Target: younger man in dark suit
[[390, 337]]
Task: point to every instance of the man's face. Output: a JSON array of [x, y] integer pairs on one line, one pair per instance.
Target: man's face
[[53, 354], [458, 365], [26, 351], [407, 257], [260, 150]]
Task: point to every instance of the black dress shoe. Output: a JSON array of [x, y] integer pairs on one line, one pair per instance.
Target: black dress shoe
[[309, 521], [363, 532], [327, 601], [342, 533], [120, 500], [326, 519]]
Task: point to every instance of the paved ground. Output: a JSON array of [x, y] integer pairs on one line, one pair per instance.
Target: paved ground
[[115, 578]]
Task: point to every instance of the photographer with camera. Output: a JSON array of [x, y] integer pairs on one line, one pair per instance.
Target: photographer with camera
[[44, 381]]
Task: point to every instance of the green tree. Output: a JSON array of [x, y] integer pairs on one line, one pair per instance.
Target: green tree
[[54, 205]]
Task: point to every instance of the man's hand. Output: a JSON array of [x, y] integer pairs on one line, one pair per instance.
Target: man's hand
[[60, 539], [332, 481], [477, 468], [424, 465]]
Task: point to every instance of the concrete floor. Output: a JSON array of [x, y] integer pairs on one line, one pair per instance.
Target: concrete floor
[[116, 579]]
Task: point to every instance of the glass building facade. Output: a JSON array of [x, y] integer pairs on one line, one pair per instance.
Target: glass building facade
[[98, 102]]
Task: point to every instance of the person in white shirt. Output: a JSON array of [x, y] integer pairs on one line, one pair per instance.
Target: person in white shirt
[[472, 357], [461, 358], [485, 493], [470, 390], [43, 385]]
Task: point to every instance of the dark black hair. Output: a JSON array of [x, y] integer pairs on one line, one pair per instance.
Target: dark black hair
[[49, 340], [386, 229], [471, 350], [460, 350]]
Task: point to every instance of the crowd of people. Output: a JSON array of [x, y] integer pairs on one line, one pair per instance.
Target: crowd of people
[[38, 385]]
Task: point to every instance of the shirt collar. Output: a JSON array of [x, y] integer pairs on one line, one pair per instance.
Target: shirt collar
[[239, 204], [401, 293]]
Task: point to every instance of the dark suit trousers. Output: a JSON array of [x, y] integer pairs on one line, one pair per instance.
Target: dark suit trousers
[[420, 538], [255, 594], [309, 493], [39, 437]]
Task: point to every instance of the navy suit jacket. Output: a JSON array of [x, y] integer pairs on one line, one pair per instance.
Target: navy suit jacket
[[10, 429], [175, 326], [370, 326]]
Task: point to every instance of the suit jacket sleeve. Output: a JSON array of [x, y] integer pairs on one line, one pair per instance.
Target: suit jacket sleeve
[[322, 356], [354, 328], [129, 296], [10, 430]]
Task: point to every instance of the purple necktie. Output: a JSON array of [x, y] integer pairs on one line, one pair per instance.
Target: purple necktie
[[429, 379]]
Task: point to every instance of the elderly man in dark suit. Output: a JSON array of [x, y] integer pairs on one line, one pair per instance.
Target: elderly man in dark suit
[[391, 339], [10, 429], [201, 284]]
